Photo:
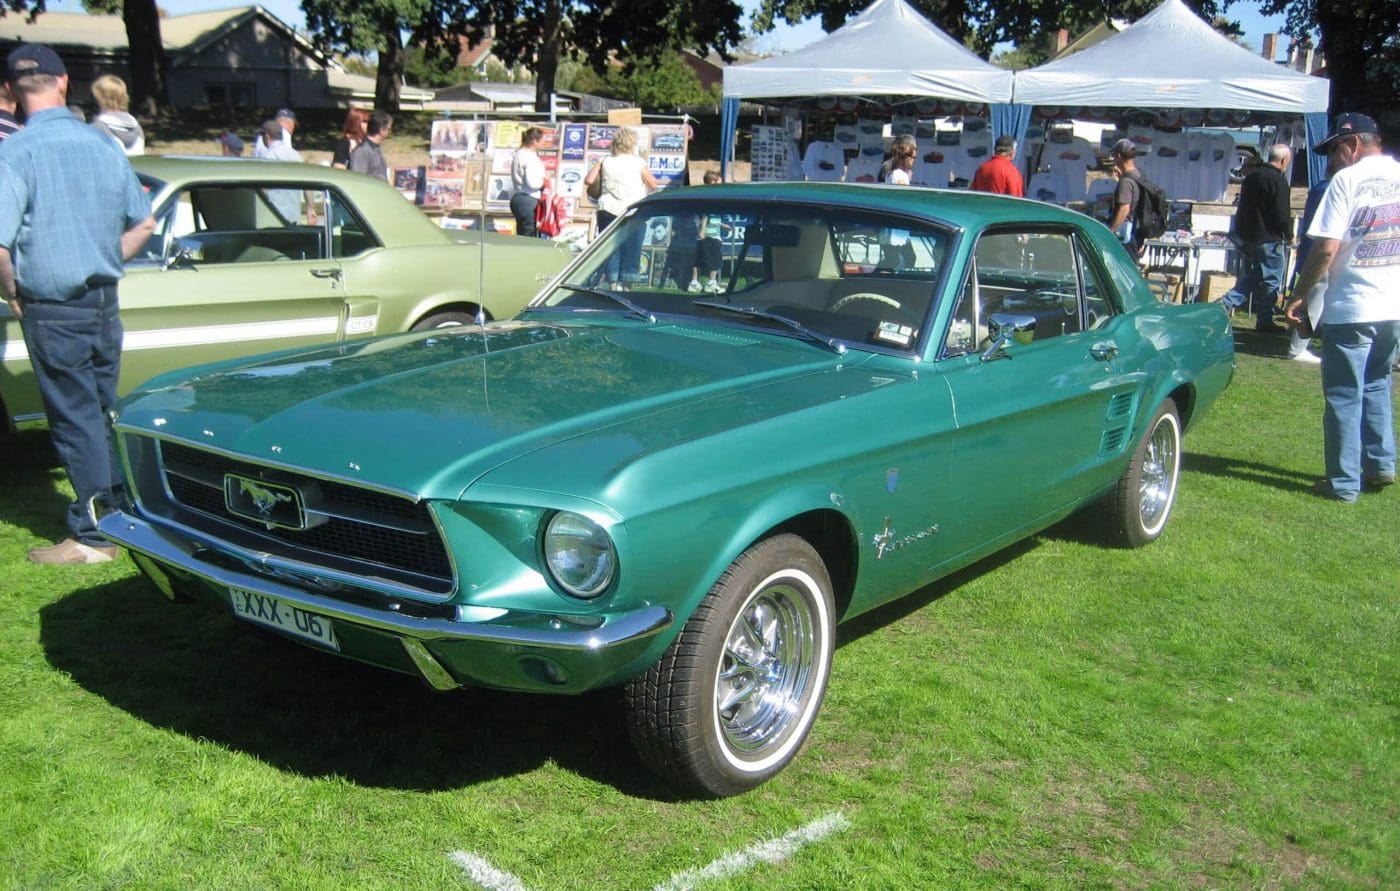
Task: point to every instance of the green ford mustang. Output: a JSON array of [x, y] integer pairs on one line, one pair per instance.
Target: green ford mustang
[[250, 256], [680, 488]]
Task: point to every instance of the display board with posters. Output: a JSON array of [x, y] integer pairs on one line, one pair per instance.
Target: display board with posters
[[469, 162]]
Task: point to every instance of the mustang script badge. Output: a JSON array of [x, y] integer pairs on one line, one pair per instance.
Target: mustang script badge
[[268, 503]]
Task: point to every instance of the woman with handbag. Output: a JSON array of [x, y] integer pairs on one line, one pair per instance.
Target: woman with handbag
[[616, 183]]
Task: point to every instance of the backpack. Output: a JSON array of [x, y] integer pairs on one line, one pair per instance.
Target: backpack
[[1150, 215], [551, 213]]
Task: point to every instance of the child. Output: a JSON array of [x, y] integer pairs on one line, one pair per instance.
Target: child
[[708, 252]]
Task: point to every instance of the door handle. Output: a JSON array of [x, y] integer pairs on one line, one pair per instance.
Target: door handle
[[326, 273], [1104, 351]]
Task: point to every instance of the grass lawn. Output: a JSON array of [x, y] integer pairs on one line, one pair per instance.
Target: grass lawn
[[1216, 710]]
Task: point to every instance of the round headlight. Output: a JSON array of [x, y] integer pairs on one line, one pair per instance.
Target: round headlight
[[579, 554]]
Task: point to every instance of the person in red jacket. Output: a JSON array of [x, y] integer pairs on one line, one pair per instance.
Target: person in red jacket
[[998, 173]]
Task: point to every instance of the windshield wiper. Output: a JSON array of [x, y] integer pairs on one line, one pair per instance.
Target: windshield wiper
[[614, 296], [750, 312]]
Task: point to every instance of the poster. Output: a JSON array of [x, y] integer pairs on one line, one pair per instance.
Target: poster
[[409, 182]]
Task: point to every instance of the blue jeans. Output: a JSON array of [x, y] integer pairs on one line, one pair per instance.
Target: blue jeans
[[1358, 435], [624, 264], [1262, 279], [75, 349]]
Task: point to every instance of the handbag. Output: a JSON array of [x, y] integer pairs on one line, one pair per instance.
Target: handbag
[[595, 188]]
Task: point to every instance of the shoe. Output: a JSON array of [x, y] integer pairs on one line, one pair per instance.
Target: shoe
[[1307, 358], [713, 287], [1268, 328], [694, 286], [1325, 490], [73, 551], [1374, 482]]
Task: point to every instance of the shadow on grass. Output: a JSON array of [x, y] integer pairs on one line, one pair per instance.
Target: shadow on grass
[[1250, 471], [1265, 345], [27, 476], [196, 670]]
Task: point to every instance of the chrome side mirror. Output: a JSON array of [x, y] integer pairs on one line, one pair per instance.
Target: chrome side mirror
[[184, 255], [1004, 326]]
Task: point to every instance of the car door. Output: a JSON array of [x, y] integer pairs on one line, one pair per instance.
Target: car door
[[233, 269], [1040, 423]]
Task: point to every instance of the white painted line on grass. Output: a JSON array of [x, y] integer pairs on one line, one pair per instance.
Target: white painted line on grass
[[774, 851], [484, 874]]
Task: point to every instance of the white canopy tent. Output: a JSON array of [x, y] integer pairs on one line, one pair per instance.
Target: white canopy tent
[[887, 50], [888, 53], [1170, 58]]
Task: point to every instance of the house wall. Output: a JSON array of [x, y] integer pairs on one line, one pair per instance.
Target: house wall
[[254, 65]]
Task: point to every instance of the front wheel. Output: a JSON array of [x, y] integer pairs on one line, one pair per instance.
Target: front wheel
[[1138, 509], [729, 703], [443, 320]]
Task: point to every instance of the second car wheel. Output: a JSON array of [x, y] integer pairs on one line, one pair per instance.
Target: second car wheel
[[731, 700], [443, 320], [1139, 506]]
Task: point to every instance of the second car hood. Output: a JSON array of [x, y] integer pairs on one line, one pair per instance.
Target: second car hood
[[429, 413]]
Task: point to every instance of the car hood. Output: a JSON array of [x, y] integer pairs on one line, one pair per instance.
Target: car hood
[[430, 413]]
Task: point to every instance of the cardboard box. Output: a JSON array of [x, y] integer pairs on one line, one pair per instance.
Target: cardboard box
[[1167, 285], [1215, 285]]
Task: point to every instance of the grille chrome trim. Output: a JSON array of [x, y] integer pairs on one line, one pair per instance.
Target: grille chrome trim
[[358, 538]]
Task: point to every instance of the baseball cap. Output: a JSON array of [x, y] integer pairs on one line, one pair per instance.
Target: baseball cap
[[285, 113], [33, 58], [232, 142], [1348, 123], [1125, 148]]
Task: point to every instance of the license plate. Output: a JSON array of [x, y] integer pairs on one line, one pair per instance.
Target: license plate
[[279, 614]]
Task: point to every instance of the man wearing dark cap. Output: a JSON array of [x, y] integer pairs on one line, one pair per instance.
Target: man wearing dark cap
[[1127, 195], [71, 214], [998, 173], [1356, 245], [231, 145]]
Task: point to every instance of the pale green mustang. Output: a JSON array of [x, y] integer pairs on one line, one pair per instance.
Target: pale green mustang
[[678, 489], [251, 256]]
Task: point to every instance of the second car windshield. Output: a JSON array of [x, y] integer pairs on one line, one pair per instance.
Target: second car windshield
[[861, 278]]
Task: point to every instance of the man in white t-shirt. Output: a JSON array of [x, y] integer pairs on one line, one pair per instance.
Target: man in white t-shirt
[[1356, 244]]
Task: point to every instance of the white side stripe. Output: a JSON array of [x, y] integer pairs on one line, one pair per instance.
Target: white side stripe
[[204, 335], [207, 334], [486, 875], [774, 851]]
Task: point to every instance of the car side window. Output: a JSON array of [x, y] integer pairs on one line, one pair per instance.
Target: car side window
[[1030, 273], [245, 224], [1098, 307], [350, 237]]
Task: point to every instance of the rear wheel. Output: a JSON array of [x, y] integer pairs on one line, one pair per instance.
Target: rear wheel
[[1138, 509], [730, 702], [443, 320]]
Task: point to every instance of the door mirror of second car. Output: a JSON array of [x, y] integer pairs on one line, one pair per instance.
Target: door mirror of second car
[[186, 253], [1004, 326]]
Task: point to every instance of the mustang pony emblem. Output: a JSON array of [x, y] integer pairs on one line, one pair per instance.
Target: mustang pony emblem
[[264, 499]]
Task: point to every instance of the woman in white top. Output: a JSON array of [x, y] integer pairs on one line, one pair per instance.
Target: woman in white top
[[526, 182], [625, 181], [902, 162]]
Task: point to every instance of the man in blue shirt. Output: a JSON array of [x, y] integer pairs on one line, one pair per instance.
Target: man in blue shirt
[[71, 213]]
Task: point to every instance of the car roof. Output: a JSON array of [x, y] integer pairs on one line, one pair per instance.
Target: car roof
[[172, 168], [959, 207]]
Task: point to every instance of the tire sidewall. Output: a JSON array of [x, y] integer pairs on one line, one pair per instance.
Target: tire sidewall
[[1138, 532], [798, 566]]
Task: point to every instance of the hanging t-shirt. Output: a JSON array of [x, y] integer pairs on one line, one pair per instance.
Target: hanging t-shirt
[[973, 151], [1360, 209], [864, 169], [824, 162], [1069, 165], [1169, 165], [1045, 187], [1222, 160]]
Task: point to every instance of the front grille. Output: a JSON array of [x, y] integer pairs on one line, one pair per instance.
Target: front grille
[[370, 531]]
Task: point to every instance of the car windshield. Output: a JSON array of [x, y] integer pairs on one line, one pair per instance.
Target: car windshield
[[853, 277]]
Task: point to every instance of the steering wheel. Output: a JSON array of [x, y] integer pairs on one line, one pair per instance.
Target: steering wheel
[[900, 313]]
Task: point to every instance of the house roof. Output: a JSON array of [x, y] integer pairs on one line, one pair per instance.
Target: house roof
[[181, 35]]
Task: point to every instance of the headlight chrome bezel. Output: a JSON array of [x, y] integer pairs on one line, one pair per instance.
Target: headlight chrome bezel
[[593, 548]]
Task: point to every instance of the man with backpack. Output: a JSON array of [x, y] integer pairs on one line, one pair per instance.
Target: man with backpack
[[1263, 224], [1139, 205]]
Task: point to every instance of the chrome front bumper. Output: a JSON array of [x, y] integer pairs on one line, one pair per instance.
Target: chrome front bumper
[[583, 655]]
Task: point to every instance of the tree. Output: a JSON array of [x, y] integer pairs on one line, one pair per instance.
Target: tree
[[536, 32], [664, 86], [146, 57], [378, 26], [1360, 39]]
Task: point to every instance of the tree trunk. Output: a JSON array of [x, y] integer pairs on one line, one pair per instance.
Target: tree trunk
[[389, 77], [146, 56], [547, 59]]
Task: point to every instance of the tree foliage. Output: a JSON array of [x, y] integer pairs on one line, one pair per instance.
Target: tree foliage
[[663, 86], [1360, 39], [539, 33]]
